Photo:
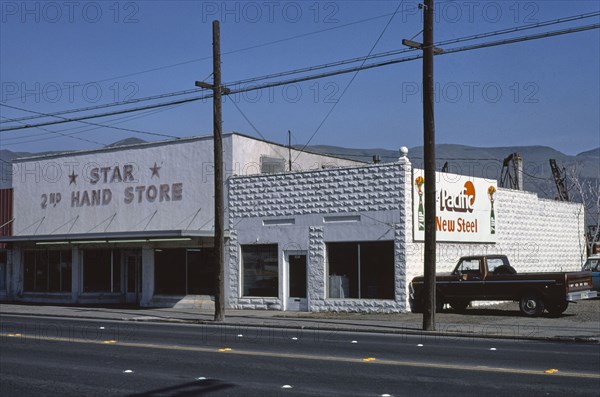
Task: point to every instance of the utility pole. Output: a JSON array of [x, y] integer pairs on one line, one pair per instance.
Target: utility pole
[[218, 89], [429, 304], [290, 150]]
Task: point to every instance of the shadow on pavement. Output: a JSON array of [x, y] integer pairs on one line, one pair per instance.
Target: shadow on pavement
[[474, 312], [197, 388]]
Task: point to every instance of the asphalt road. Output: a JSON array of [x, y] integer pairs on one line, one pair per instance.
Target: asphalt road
[[65, 357]]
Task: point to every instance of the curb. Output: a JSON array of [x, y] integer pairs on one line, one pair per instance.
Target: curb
[[363, 329]]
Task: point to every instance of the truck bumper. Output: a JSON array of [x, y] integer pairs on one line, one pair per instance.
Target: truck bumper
[[575, 296]]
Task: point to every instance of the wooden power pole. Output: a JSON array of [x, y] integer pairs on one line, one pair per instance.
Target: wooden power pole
[[218, 89], [429, 304], [429, 155]]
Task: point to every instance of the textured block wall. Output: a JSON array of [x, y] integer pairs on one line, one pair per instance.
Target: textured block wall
[[537, 235], [339, 190], [357, 190]]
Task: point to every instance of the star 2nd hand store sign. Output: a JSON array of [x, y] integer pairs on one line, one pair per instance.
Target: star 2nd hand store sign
[[464, 208]]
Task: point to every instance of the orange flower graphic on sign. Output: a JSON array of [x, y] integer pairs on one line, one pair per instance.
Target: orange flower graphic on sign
[[491, 191], [419, 182]]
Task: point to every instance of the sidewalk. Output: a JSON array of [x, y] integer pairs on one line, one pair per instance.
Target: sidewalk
[[581, 321]]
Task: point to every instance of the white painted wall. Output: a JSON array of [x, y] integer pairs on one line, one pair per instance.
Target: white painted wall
[[180, 163], [537, 234], [136, 202]]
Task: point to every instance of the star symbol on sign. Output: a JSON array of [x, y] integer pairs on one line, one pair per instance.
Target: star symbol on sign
[[155, 170], [73, 178]]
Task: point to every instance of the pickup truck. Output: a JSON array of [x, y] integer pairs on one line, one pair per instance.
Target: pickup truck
[[492, 278]]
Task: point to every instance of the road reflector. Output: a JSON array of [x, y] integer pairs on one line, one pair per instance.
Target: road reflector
[[128, 371], [493, 349], [294, 338], [287, 387], [14, 335], [354, 341], [420, 345], [550, 371], [369, 359], [226, 349], [108, 342]]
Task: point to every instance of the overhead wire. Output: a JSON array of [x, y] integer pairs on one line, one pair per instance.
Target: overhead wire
[[230, 52], [314, 77], [63, 119], [328, 65], [72, 135], [350, 82]]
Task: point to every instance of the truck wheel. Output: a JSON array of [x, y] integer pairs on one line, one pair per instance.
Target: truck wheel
[[459, 305], [557, 309], [439, 303], [531, 305]]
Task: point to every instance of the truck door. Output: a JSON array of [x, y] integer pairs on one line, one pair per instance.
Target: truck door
[[499, 278], [469, 275]]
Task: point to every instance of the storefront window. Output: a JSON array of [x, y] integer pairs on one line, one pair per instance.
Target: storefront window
[[362, 270], [201, 271], [3, 267], [260, 270], [184, 271], [47, 270], [101, 270]]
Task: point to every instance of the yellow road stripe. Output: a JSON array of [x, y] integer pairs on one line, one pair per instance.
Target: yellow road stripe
[[296, 356]]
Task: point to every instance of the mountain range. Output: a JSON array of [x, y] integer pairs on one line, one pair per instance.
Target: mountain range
[[582, 169]]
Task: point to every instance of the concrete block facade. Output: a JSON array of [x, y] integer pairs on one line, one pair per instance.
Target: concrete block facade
[[307, 210]]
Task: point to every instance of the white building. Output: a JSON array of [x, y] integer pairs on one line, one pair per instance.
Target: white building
[[349, 239], [127, 224], [135, 224]]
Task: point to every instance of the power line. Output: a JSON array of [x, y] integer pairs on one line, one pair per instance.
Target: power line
[[326, 65], [71, 135], [253, 126], [230, 52], [108, 105], [60, 134], [65, 120], [350, 82], [317, 76]]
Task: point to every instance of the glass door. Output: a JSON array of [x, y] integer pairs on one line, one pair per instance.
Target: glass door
[[297, 299], [133, 268]]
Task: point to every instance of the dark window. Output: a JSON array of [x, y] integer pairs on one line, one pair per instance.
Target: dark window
[[2, 270], [47, 271], [201, 271], [184, 271], [260, 270], [133, 261], [101, 270], [362, 270], [169, 273]]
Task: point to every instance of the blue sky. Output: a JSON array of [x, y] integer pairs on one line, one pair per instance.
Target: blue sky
[[543, 92]]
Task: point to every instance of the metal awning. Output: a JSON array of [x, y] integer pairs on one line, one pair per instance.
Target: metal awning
[[112, 237]]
